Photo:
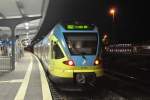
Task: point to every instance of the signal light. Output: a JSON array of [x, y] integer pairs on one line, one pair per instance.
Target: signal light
[[69, 62], [105, 39]]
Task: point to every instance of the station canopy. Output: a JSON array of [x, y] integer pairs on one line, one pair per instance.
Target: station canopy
[[21, 10]]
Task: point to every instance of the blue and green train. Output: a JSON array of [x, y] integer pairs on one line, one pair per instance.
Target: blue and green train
[[71, 54]]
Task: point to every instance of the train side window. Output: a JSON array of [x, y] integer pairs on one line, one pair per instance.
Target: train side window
[[57, 52]]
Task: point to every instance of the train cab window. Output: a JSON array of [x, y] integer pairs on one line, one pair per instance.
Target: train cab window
[[82, 43], [57, 52]]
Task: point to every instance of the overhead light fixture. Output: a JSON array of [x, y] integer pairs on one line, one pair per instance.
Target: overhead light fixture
[[27, 25]]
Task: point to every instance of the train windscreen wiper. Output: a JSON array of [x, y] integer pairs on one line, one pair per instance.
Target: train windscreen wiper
[[83, 56]]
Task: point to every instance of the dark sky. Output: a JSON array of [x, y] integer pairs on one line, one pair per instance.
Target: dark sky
[[131, 20]]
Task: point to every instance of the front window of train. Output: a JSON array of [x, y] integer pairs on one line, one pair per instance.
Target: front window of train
[[81, 43]]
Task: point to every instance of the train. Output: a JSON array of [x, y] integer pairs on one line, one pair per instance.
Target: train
[[71, 54]]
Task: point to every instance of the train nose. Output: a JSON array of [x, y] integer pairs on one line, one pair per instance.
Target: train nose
[[80, 78]]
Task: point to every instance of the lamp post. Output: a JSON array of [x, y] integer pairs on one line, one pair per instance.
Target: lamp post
[[112, 11]]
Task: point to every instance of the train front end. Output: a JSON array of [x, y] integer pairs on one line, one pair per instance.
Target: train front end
[[82, 63]]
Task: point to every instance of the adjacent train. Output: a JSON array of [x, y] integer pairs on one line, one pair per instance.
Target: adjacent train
[[71, 54]]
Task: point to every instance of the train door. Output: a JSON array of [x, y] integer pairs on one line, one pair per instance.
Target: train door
[[58, 58], [58, 55]]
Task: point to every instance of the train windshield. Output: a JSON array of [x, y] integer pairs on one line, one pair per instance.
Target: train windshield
[[81, 43]]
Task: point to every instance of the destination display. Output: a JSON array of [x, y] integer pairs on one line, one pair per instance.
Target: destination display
[[79, 27]]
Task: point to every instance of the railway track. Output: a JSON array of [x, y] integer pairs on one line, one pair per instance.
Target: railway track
[[103, 92], [107, 90], [98, 94]]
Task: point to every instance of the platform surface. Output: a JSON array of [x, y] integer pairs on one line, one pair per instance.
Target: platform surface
[[26, 82]]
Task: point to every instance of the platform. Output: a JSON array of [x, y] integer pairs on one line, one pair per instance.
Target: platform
[[26, 82]]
